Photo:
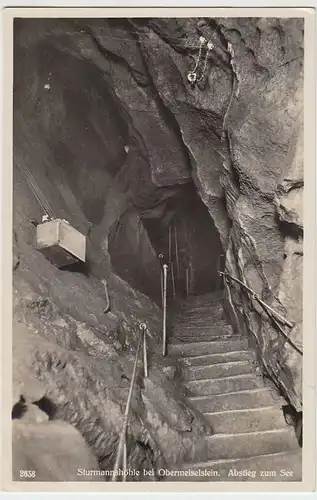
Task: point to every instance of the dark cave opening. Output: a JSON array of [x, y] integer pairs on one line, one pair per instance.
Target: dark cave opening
[[19, 408], [181, 235]]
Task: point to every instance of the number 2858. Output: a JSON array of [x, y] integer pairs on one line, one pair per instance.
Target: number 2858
[[27, 473]]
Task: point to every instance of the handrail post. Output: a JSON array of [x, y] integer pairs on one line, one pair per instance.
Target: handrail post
[[122, 439], [219, 271], [187, 281], [125, 459], [171, 266], [227, 287], [165, 268], [176, 252], [161, 257], [108, 307], [145, 365]]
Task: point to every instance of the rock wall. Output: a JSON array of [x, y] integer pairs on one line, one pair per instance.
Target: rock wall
[[264, 132], [73, 363], [108, 125], [242, 128], [74, 148]]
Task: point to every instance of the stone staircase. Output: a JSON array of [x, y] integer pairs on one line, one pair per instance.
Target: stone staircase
[[250, 438]]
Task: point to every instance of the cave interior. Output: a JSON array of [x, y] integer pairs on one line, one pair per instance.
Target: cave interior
[[156, 171], [183, 236]]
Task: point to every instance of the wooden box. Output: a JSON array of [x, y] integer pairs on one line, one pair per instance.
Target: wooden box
[[61, 243]]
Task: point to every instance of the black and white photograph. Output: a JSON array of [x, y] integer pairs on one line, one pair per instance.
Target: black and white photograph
[[157, 249]]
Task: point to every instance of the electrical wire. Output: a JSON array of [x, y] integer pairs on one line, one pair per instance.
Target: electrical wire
[[37, 192], [183, 41], [209, 49]]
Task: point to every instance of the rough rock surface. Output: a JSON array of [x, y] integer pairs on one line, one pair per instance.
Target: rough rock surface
[[108, 126], [35, 444], [77, 372]]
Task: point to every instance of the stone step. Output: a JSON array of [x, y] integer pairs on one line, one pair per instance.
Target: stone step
[[199, 302], [213, 329], [200, 323], [218, 370], [246, 444], [199, 348], [224, 385], [282, 466], [208, 298], [209, 359], [251, 398], [252, 419], [200, 314], [203, 338], [196, 337]]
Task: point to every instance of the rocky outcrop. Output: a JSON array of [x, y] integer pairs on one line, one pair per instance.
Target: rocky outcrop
[[108, 125], [266, 155], [52, 451], [66, 369]]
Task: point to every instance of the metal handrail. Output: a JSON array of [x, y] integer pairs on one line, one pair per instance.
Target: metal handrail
[[276, 317], [161, 257], [290, 341], [165, 269], [121, 456], [257, 297]]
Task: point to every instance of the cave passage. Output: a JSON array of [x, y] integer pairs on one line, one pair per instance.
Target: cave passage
[[183, 233]]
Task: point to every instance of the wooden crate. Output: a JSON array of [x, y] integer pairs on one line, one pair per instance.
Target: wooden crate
[[61, 243]]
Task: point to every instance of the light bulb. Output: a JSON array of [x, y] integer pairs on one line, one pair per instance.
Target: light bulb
[[192, 77]]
